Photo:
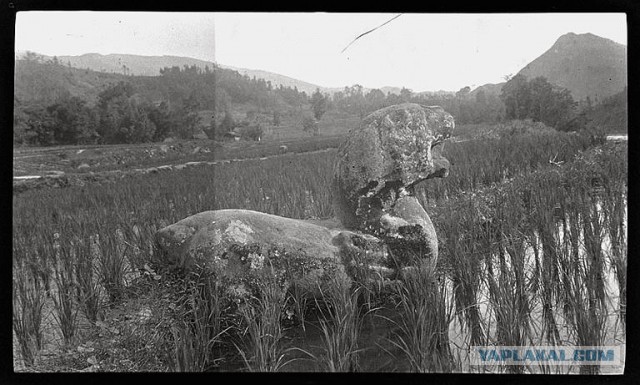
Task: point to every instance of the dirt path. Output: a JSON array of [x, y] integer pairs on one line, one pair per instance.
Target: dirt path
[[60, 179]]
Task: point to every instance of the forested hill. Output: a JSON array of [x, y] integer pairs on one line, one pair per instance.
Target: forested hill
[[130, 64], [139, 65], [56, 103], [44, 81], [610, 114], [585, 64], [40, 81]]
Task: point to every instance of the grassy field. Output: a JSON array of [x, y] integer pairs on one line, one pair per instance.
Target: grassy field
[[532, 230], [97, 158]]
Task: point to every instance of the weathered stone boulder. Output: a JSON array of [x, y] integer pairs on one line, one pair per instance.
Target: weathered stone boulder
[[240, 246], [379, 164], [381, 230]]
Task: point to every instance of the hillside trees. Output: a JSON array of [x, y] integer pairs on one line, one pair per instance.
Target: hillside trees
[[352, 101], [73, 121], [162, 118], [32, 124], [67, 121], [41, 80], [58, 104], [466, 107], [406, 95], [217, 89], [310, 125], [227, 124], [375, 99], [319, 104], [611, 114], [537, 99], [488, 107], [123, 117]]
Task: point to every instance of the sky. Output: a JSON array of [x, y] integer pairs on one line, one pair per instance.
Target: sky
[[423, 52]]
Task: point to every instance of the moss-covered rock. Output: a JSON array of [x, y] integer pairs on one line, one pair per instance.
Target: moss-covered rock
[[379, 164], [243, 245], [383, 227]]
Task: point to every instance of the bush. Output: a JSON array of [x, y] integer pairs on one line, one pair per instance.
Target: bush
[[310, 124], [251, 132], [523, 127]]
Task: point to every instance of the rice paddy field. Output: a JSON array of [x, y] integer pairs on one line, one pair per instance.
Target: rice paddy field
[[532, 229]]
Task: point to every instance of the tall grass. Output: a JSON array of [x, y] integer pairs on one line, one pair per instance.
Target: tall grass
[[423, 328], [519, 237], [479, 163], [262, 315], [89, 291], [462, 259], [66, 310], [340, 326], [27, 317], [198, 331], [538, 243]]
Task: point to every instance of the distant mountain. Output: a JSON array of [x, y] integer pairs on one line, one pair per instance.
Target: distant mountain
[[151, 65], [45, 83], [488, 89], [130, 64], [277, 79], [585, 64]]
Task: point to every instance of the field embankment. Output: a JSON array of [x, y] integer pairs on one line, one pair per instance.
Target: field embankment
[[529, 225]]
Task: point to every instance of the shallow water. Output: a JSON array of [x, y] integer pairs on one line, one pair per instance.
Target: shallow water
[[614, 330]]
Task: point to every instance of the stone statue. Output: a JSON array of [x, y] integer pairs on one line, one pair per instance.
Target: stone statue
[[381, 228]]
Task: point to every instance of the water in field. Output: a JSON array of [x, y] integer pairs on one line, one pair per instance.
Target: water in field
[[613, 329], [618, 138]]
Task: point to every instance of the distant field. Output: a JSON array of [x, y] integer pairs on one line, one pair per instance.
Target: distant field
[[332, 128], [38, 161]]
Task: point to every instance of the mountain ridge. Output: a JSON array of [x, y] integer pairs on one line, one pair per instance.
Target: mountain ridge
[[143, 65], [585, 64]]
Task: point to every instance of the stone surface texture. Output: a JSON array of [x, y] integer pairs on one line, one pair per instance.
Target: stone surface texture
[[386, 156], [380, 228]]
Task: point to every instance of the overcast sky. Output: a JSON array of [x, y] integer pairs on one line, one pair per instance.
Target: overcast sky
[[419, 51]]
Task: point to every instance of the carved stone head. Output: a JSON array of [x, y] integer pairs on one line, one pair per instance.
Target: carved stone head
[[385, 157]]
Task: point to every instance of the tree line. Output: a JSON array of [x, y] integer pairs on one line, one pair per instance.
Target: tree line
[[136, 108], [466, 109], [150, 108], [520, 98]]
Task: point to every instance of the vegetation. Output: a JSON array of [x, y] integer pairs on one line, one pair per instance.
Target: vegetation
[[263, 331], [522, 245], [319, 104], [310, 125], [131, 109], [611, 115], [57, 104]]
